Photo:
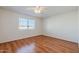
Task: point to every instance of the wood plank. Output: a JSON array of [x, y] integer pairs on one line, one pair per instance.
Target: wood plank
[[43, 44]]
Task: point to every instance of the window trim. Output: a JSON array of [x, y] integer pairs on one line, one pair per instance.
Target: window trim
[[28, 24]]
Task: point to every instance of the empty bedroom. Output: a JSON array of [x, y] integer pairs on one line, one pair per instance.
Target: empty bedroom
[[39, 29]]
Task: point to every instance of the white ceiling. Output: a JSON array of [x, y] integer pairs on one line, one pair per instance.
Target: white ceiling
[[50, 10]]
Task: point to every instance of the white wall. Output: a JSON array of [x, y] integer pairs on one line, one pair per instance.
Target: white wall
[[78, 23], [1, 33], [63, 26], [9, 26]]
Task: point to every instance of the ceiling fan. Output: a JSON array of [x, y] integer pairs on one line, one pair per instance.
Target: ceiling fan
[[37, 9]]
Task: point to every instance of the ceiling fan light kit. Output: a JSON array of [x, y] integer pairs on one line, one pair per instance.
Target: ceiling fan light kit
[[38, 9]]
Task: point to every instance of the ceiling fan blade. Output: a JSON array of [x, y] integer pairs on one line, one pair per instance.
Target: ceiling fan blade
[[30, 8]]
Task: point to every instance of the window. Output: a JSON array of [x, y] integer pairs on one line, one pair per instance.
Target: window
[[26, 23]]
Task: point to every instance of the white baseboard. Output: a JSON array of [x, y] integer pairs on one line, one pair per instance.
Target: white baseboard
[[18, 38], [60, 37]]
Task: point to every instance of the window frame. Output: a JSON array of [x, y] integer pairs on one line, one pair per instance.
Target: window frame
[[27, 27]]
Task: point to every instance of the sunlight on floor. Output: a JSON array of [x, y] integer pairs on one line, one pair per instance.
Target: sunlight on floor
[[27, 49]]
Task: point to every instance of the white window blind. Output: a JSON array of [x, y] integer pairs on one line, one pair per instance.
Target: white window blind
[[26, 23]]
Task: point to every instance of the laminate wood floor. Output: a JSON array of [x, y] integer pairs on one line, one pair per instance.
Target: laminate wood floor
[[39, 44]]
